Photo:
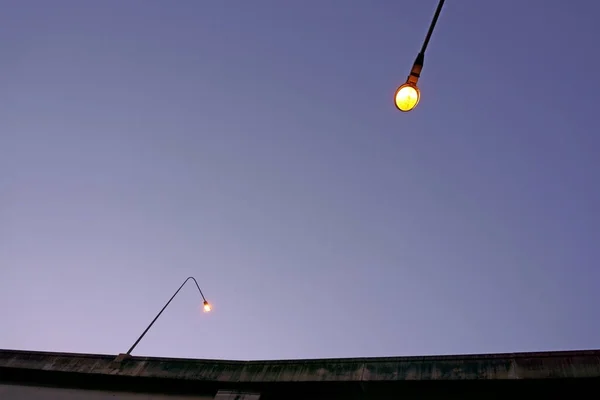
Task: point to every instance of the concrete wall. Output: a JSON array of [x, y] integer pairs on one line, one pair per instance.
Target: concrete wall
[[575, 364], [112, 377], [17, 392]]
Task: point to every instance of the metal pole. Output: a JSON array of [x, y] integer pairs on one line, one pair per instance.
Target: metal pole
[[415, 72], [432, 26], [163, 309]]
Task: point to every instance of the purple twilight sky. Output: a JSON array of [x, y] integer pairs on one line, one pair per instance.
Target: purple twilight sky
[[255, 146]]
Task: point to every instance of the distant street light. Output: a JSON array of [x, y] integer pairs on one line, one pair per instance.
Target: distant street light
[[407, 95], [206, 306]]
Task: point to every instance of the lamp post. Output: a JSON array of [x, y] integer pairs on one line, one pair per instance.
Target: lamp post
[[206, 306], [407, 96]]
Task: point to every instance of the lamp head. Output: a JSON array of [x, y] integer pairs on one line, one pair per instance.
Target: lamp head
[[207, 307], [407, 96]]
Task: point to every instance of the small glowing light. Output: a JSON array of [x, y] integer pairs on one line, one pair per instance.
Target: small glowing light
[[207, 307], [407, 97]]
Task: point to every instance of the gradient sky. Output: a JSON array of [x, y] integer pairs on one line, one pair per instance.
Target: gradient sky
[[255, 146]]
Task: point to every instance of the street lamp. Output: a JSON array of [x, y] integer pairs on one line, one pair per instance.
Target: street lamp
[[205, 305], [407, 95]]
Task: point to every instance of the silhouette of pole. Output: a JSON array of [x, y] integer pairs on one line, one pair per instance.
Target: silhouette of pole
[[163, 309], [432, 26], [415, 72]]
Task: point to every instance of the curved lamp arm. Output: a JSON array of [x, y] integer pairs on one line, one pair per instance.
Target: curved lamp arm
[[438, 10], [415, 71], [163, 309]]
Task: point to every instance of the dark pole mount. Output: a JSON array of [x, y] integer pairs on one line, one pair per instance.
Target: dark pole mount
[[415, 72]]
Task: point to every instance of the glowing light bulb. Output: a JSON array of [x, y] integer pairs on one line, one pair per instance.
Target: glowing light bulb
[[207, 307], [407, 97]]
